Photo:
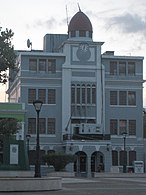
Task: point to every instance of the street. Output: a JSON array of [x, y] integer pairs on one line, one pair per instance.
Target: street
[[96, 186]]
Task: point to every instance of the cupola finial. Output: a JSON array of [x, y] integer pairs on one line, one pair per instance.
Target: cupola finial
[[79, 7]]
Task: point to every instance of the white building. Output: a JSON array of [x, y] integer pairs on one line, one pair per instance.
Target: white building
[[89, 99]]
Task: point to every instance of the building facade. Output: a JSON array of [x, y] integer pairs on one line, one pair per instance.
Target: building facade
[[92, 102]]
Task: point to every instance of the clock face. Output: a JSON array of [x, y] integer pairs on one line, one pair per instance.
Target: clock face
[[83, 52]]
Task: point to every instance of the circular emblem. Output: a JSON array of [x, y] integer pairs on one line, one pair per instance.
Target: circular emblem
[[14, 150]]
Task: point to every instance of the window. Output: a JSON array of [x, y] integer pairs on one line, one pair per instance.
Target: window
[[42, 95], [122, 98], [113, 126], [31, 95], [131, 98], [118, 127], [113, 98], [113, 68], [33, 64], [131, 68], [123, 157], [51, 125], [83, 111], [78, 94], [90, 34], [31, 125], [82, 33], [132, 157], [114, 158], [122, 126], [73, 33], [52, 65], [122, 68], [93, 94], [83, 94], [42, 125], [51, 96], [132, 127], [88, 94], [125, 98], [73, 94], [78, 110], [42, 64]]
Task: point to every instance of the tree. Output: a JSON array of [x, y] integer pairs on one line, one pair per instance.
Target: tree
[[8, 126], [59, 161], [7, 54]]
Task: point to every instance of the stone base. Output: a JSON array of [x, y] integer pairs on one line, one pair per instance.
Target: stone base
[[20, 184], [61, 174], [16, 174]]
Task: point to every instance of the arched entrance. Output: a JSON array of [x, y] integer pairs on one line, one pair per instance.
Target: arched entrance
[[80, 165], [97, 162]]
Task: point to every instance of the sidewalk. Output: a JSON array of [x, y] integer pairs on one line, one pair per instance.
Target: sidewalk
[[120, 175]]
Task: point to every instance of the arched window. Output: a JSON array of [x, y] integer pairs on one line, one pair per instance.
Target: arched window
[[93, 94], [88, 94], [78, 94], [132, 157], [83, 94], [123, 157], [114, 158]]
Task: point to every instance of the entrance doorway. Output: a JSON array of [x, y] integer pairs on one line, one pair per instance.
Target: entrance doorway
[[97, 162], [80, 165]]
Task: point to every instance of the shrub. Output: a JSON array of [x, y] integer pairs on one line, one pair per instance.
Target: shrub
[[59, 161]]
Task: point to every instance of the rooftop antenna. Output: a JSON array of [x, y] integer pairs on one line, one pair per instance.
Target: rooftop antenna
[[66, 15], [29, 44], [79, 7]]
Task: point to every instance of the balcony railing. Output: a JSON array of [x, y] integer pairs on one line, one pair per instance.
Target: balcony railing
[[86, 137]]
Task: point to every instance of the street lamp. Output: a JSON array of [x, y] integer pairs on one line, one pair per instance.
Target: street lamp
[[37, 105], [125, 154]]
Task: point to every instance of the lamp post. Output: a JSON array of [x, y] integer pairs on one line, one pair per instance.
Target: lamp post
[[37, 105], [125, 154]]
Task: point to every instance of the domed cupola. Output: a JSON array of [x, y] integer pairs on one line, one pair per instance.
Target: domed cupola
[[80, 26]]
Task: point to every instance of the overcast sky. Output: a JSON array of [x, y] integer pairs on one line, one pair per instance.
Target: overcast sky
[[120, 24]]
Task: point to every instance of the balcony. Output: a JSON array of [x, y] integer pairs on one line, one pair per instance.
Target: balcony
[[86, 137]]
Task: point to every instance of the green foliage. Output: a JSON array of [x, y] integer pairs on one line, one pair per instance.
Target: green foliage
[[8, 126], [7, 54], [59, 161]]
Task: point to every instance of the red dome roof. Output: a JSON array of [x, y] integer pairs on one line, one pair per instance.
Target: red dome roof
[[80, 22]]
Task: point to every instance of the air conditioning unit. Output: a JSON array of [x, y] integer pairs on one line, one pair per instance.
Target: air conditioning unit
[[89, 128], [75, 128]]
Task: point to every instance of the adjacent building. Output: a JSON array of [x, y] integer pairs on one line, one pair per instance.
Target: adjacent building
[[13, 154], [92, 102]]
